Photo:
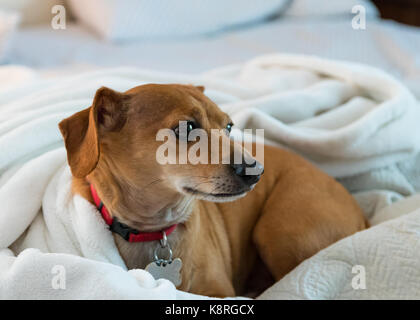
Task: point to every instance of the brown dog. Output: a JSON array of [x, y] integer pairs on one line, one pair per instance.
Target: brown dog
[[291, 214]]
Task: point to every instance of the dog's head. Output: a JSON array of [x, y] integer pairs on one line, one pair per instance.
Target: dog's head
[[120, 135]]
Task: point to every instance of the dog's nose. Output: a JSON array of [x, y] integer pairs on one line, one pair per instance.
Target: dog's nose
[[249, 173]]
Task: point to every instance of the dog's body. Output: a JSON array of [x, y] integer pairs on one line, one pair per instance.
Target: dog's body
[[292, 213]]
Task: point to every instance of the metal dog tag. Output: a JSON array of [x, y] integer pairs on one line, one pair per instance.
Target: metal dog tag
[[170, 270]]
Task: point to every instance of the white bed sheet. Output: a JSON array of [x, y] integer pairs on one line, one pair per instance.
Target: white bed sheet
[[388, 45]]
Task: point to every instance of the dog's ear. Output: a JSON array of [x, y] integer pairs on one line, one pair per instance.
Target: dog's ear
[[110, 108], [81, 140], [82, 130], [201, 88]]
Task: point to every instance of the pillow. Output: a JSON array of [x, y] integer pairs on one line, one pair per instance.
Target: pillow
[[8, 23], [31, 11], [129, 19]]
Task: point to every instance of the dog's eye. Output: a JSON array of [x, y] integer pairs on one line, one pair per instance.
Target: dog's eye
[[229, 127], [183, 132]]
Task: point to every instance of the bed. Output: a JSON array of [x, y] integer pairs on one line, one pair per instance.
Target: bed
[[385, 44], [380, 63]]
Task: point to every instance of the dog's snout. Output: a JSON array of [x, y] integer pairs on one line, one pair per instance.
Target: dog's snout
[[249, 173]]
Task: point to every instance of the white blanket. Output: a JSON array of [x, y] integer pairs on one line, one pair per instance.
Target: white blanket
[[355, 122]]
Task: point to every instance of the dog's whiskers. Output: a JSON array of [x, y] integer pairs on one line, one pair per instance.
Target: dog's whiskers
[[152, 183]]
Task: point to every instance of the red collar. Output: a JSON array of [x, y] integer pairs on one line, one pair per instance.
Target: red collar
[[129, 234]]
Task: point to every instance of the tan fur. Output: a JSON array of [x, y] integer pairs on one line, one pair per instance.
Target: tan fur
[[294, 211]]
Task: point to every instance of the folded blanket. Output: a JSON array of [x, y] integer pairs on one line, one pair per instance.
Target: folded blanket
[[355, 122]]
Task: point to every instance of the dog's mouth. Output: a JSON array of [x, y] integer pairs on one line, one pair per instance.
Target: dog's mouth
[[204, 195]]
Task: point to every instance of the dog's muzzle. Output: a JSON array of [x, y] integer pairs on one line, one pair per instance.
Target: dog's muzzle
[[249, 174]]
